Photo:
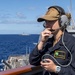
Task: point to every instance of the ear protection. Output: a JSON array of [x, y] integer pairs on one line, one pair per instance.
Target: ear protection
[[63, 19]]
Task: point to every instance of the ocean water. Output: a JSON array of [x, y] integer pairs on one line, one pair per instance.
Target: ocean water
[[16, 45]]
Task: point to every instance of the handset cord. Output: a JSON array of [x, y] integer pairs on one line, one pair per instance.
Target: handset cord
[[66, 49]]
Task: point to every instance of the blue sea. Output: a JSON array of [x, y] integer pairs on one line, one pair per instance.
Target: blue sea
[[16, 44]]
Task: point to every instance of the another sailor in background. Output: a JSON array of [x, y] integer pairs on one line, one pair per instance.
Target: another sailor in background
[[55, 51]]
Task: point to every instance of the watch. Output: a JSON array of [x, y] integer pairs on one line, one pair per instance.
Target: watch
[[58, 68]]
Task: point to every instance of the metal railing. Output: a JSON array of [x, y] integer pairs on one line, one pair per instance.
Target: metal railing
[[26, 70]]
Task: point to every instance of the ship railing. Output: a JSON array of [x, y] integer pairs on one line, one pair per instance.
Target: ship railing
[[25, 70]]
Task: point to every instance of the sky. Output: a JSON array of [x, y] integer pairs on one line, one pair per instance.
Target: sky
[[20, 16]]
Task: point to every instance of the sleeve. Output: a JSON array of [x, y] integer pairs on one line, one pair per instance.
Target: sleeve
[[35, 55], [69, 70]]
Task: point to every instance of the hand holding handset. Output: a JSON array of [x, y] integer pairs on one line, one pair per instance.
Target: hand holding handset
[[46, 32], [50, 32]]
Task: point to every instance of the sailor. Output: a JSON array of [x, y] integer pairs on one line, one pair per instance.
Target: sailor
[[55, 51]]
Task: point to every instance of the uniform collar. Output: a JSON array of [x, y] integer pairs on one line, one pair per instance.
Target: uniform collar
[[59, 44], [65, 38]]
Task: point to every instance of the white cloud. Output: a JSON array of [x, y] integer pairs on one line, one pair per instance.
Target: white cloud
[[20, 15], [8, 21]]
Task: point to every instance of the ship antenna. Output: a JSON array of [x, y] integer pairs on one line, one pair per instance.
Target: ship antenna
[[70, 10]]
